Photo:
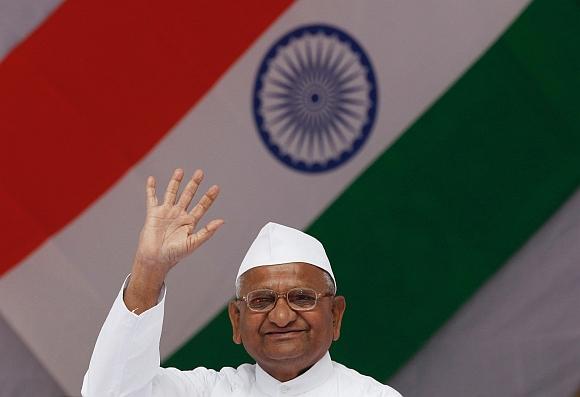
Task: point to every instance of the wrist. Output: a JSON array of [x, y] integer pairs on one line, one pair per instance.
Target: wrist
[[144, 287], [148, 274]]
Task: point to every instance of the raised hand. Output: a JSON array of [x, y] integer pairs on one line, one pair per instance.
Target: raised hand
[[169, 234]]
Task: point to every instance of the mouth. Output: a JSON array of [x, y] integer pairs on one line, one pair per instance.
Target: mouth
[[284, 334]]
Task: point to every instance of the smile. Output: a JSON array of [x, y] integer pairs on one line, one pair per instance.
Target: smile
[[284, 334]]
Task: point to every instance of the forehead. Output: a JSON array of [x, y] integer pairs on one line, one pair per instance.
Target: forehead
[[284, 276]]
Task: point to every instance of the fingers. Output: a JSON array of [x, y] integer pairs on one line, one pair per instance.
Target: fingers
[[151, 198], [186, 196], [173, 187], [204, 203], [204, 234], [190, 189]]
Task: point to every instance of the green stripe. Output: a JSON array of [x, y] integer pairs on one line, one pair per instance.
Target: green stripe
[[447, 205]]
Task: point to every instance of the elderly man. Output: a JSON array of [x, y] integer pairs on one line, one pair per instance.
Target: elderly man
[[286, 314]]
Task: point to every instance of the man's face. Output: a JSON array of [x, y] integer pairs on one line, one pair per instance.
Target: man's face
[[283, 341]]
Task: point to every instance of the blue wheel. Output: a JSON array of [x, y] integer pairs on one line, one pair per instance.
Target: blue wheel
[[315, 98]]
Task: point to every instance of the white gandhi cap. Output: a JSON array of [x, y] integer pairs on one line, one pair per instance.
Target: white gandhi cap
[[277, 244]]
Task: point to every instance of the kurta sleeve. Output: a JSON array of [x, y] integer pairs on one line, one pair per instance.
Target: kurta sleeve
[[126, 360]]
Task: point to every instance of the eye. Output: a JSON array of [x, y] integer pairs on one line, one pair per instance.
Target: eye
[[260, 301], [303, 298]]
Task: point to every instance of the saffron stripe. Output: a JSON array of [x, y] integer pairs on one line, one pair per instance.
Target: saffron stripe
[[75, 94]]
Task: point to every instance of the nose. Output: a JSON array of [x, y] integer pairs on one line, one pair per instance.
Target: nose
[[281, 314]]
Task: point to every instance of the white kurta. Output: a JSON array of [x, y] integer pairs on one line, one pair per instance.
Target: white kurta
[[126, 361]]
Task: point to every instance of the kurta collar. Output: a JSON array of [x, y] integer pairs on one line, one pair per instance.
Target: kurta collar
[[314, 377]]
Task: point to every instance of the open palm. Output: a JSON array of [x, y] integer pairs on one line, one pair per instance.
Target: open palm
[[169, 233]]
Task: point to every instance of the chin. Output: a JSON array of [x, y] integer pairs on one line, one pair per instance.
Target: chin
[[281, 354]]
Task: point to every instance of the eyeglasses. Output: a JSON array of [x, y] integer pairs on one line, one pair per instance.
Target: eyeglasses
[[299, 299]]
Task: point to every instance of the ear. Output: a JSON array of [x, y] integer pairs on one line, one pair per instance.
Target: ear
[[234, 313], [338, 308]]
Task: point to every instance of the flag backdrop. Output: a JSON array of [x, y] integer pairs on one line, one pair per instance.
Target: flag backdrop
[[450, 211]]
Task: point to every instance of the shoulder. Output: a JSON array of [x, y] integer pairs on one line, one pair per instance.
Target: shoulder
[[201, 379], [360, 384], [245, 373]]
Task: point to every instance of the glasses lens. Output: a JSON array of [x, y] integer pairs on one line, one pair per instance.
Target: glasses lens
[[261, 300], [302, 299]]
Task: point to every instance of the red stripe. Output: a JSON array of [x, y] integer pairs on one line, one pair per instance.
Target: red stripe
[[94, 89]]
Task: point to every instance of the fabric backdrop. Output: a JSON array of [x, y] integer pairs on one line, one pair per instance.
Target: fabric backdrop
[[449, 211]]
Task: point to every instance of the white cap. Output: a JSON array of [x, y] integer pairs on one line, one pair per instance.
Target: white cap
[[278, 244]]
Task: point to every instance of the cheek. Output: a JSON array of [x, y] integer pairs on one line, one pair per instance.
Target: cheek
[[250, 325], [321, 323]]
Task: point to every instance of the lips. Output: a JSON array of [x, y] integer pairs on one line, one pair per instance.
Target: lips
[[285, 334]]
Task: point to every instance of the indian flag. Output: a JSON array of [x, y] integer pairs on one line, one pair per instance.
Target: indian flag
[[433, 147]]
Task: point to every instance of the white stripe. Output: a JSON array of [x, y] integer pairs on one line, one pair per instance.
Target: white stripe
[[417, 49], [20, 372], [520, 335], [18, 18]]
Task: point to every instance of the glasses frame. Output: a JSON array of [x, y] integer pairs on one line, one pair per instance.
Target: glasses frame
[[285, 296]]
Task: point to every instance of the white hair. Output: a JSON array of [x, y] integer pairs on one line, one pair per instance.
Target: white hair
[[327, 278]]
